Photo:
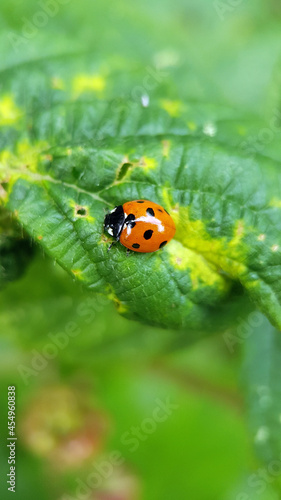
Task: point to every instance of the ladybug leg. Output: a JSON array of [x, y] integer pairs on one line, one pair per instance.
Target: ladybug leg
[[110, 246], [128, 252]]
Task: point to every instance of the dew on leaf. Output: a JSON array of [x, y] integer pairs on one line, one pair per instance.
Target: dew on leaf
[[265, 399], [145, 100], [210, 129], [262, 435]]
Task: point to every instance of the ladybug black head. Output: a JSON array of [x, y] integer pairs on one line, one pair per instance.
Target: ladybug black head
[[114, 222]]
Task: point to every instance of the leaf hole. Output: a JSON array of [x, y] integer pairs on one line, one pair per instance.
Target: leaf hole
[[81, 211], [123, 170]]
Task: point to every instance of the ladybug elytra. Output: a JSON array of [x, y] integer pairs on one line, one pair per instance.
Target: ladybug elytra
[[140, 225]]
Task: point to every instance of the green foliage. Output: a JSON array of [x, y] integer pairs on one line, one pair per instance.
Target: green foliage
[[103, 108], [71, 143], [262, 377]]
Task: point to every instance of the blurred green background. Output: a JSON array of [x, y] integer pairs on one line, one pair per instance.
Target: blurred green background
[[79, 403]]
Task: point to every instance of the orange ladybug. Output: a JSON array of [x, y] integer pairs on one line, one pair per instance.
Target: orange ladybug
[[140, 225]]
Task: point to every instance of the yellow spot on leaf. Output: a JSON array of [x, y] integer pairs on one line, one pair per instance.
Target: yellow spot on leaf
[[241, 130], [192, 126], [9, 111], [253, 284], [261, 237], [275, 202], [26, 157], [81, 212], [121, 307], [88, 83], [30, 154], [202, 272], [58, 83], [240, 229], [78, 273], [144, 162], [227, 254], [147, 163], [5, 161], [275, 248], [166, 148], [125, 159], [167, 201], [47, 157], [3, 194], [174, 108]]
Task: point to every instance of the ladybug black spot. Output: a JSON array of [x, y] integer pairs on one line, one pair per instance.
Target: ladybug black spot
[[135, 245], [159, 210], [140, 201], [150, 211], [163, 244], [130, 220], [147, 234]]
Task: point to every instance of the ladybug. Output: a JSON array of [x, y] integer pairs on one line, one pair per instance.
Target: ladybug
[[140, 225]]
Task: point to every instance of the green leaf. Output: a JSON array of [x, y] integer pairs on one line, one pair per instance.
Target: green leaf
[[79, 137], [262, 382]]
